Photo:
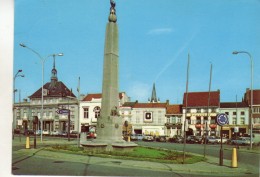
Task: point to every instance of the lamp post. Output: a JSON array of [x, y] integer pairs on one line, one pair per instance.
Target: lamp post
[[14, 90], [42, 62], [251, 104], [78, 116]]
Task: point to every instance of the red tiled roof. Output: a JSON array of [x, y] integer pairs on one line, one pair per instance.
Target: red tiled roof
[[91, 96], [59, 89], [233, 105], [200, 99], [256, 97], [174, 109]]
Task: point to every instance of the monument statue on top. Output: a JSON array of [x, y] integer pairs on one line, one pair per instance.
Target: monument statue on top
[[112, 15], [110, 124]]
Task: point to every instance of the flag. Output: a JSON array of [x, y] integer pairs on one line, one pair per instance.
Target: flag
[[78, 88]]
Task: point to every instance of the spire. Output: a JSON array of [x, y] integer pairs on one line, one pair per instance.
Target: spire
[[153, 97], [54, 77], [112, 15]]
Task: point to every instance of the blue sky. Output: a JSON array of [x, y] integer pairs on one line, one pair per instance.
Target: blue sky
[[155, 38]]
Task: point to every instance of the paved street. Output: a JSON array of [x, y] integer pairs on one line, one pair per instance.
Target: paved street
[[41, 162]]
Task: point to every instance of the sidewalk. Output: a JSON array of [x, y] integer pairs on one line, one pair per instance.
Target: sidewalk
[[211, 166]]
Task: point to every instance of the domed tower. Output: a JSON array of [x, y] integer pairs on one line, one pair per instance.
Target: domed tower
[[54, 77]]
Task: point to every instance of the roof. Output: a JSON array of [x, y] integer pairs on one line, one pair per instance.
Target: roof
[[200, 99], [91, 96], [256, 97], [144, 105], [59, 89], [233, 105], [150, 105], [129, 104], [174, 109]]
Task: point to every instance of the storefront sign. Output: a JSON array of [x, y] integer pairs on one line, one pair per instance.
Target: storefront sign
[[201, 114]]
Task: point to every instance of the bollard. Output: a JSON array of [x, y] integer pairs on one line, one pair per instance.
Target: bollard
[[27, 146], [234, 158], [128, 139]]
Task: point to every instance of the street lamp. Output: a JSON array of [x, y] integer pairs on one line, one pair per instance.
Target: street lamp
[[251, 117], [14, 90], [78, 102], [17, 75], [42, 62]]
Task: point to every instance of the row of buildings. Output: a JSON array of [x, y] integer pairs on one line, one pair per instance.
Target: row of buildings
[[153, 117]]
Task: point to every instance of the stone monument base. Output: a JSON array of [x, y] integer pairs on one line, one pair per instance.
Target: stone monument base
[[95, 147]]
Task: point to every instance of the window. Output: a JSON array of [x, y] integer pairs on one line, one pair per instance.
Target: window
[[242, 120], [50, 113], [96, 110], [168, 120], [242, 113], [234, 121], [85, 112], [227, 113], [234, 113]]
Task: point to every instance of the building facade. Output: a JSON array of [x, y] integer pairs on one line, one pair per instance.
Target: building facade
[[55, 96], [200, 110], [90, 107], [238, 118]]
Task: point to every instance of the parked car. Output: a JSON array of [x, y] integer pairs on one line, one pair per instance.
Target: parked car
[[54, 133], [177, 139], [16, 131], [139, 137], [133, 137], [229, 141], [211, 140], [64, 133], [28, 132], [74, 133], [241, 141], [148, 138], [38, 132], [45, 132], [194, 139], [161, 138], [224, 140]]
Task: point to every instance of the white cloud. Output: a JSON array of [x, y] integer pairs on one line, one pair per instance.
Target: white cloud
[[159, 31]]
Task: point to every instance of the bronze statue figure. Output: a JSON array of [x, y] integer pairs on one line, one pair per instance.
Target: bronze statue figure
[[113, 4]]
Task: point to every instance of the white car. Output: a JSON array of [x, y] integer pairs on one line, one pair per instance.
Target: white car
[[54, 133], [224, 140], [45, 132]]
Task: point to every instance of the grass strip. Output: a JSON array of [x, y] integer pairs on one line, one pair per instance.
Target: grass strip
[[139, 153]]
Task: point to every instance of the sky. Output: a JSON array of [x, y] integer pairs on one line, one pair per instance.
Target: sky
[[155, 38]]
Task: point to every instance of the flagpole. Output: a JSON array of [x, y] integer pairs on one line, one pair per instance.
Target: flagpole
[[185, 115], [205, 122], [78, 90]]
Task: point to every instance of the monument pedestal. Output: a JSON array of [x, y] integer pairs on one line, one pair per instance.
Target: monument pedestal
[[96, 146]]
